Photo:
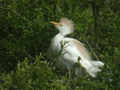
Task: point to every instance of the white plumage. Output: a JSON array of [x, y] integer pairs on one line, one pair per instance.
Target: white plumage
[[71, 49]]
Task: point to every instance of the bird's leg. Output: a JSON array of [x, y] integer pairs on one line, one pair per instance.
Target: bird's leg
[[69, 73], [77, 68]]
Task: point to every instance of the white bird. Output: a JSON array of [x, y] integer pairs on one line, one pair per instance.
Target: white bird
[[72, 49]]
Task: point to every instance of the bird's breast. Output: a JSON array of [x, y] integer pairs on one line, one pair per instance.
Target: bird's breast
[[56, 43]]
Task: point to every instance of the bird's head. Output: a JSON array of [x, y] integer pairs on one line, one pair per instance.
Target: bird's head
[[65, 26]]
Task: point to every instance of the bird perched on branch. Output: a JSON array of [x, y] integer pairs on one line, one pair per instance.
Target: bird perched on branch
[[72, 49]]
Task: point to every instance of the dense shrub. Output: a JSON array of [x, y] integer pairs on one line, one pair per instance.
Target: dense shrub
[[25, 32], [31, 76], [39, 75]]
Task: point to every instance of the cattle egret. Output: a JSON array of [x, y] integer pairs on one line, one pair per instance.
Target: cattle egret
[[72, 49]]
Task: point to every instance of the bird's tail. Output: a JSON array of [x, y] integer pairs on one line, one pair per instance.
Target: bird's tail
[[92, 67]]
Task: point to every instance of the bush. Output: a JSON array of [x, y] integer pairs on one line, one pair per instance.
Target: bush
[[30, 76], [39, 75], [25, 32]]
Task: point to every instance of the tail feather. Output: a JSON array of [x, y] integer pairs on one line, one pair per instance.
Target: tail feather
[[92, 67]]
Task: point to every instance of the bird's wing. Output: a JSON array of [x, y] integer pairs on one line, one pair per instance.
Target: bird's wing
[[76, 48]]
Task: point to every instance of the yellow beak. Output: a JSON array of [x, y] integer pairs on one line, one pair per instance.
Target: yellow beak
[[55, 23]]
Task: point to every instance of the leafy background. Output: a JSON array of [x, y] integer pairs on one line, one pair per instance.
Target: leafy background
[[25, 35]]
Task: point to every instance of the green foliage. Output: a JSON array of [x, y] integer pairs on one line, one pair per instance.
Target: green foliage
[[30, 76], [39, 75], [25, 32]]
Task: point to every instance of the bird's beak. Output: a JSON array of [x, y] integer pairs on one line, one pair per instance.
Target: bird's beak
[[55, 23]]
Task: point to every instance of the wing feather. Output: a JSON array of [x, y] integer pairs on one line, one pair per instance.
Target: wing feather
[[76, 49]]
